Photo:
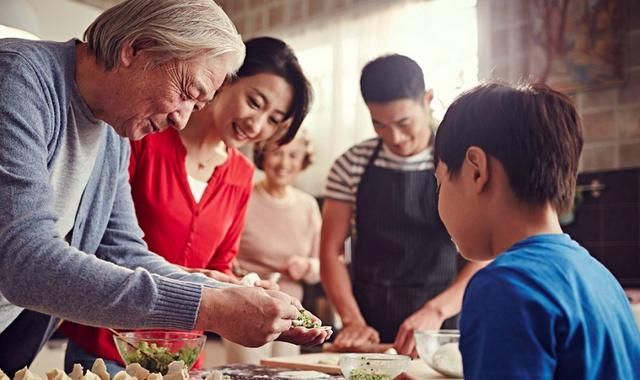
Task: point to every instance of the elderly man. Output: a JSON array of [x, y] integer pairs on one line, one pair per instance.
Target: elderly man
[[70, 246]]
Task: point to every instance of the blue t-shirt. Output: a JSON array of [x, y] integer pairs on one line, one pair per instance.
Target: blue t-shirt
[[546, 309]]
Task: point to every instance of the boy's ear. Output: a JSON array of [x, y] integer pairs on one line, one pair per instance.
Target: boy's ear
[[478, 164]]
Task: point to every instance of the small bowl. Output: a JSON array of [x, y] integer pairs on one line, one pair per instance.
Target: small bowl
[[372, 366], [154, 350], [439, 349]]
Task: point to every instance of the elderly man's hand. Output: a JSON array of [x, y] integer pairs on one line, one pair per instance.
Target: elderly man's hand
[[305, 337], [252, 316]]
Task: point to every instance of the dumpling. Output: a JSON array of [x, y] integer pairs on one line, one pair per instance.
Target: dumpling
[[250, 279], [100, 369], [91, 376], [177, 371], [122, 375], [155, 376], [136, 370], [25, 374], [77, 372], [57, 374], [214, 375], [3, 376]]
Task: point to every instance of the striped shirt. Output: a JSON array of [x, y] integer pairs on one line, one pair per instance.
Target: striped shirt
[[346, 172]]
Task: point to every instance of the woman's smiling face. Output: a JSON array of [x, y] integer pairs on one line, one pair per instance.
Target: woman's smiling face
[[283, 164], [251, 109]]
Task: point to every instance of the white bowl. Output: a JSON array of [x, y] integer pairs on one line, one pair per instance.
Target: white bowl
[[373, 366], [439, 349]]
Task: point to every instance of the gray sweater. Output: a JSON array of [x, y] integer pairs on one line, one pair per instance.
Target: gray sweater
[[105, 275]]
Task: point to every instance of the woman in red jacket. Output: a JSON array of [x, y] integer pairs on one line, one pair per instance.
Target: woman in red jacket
[[191, 187]]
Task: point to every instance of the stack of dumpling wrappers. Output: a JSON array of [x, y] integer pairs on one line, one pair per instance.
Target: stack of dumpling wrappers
[[177, 371]]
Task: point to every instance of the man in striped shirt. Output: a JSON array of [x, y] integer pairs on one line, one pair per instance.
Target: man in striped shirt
[[382, 192]]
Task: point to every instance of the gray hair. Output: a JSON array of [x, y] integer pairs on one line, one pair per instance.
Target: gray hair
[[169, 29]]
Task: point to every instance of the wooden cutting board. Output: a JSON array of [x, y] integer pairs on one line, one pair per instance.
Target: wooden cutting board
[[376, 348], [326, 362]]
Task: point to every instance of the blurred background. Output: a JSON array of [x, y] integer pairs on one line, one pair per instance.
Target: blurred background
[[590, 49]]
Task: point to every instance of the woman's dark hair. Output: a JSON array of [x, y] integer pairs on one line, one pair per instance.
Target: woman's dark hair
[[273, 56], [531, 129], [391, 77]]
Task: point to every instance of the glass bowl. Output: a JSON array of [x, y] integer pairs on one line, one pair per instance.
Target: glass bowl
[[439, 349], [154, 350], [372, 366]]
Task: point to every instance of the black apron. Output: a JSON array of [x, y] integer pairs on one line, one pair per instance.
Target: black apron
[[403, 255]]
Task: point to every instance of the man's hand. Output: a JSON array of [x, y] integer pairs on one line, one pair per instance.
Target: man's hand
[[426, 318], [252, 316], [356, 334]]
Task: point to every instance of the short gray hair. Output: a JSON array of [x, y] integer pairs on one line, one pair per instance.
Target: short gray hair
[[169, 29]]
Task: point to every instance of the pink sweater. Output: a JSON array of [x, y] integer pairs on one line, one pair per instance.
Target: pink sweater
[[278, 228]]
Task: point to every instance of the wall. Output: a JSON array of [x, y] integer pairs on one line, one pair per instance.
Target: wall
[[607, 223], [611, 115], [61, 20], [252, 17], [56, 20]]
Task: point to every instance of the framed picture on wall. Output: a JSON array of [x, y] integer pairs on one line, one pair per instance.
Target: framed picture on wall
[[579, 44]]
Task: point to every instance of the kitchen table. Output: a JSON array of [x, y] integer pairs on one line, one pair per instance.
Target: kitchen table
[[417, 369]]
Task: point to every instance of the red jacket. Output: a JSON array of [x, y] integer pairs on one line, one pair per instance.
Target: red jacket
[[197, 235]]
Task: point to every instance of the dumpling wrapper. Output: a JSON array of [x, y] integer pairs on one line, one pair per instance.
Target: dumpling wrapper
[[3, 376], [100, 369], [77, 372], [177, 371], [25, 374], [137, 371], [155, 376], [57, 374]]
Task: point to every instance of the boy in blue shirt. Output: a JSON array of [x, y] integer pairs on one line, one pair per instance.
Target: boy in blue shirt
[[507, 159]]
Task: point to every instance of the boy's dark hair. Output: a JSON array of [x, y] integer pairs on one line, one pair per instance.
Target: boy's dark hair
[[534, 131], [273, 56], [391, 77]]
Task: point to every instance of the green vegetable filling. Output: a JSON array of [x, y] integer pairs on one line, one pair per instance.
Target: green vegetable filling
[[367, 374], [305, 319], [157, 359]]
